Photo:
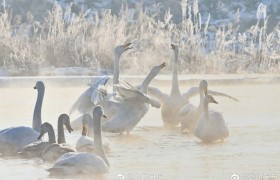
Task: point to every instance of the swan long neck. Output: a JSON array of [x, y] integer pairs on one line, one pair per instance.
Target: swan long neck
[[37, 120], [175, 84], [147, 81], [90, 132], [116, 68], [51, 135], [98, 140], [206, 112], [60, 132], [201, 99]]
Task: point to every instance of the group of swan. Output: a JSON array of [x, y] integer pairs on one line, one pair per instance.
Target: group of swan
[[93, 95], [26, 142], [127, 105], [133, 104], [77, 163], [47, 150], [125, 102]]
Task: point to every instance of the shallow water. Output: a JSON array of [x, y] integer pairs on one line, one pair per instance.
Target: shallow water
[[252, 150]]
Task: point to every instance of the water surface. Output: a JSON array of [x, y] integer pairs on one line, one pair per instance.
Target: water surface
[[252, 150]]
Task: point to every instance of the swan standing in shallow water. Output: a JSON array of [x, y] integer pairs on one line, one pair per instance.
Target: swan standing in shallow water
[[54, 151], [92, 97], [13, 139], [191, 114], [86, 143], [84, 163], [211, 126], [171, 104], [133, 104], [37, 148]]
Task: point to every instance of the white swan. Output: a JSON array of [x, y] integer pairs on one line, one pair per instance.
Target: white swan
[[191, 113], [13, 139], [54, 151], [86, 143], [133, 104], [37, 148], [211, 126], [92, 97], [172, 103], [84, 163]]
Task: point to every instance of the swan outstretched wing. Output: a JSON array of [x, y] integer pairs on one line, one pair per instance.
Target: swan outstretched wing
[[215, 93], [126, 91], [193, 91], [90, 97], [155, 93]]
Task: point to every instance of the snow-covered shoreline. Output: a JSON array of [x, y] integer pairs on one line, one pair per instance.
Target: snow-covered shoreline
[[191, 79]]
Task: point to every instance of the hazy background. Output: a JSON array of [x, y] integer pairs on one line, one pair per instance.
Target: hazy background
[[220, 36]]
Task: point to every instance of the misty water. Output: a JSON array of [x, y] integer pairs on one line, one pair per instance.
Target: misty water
[[252, 150]]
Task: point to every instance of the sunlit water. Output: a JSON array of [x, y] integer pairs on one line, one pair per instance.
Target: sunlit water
[[252, 150]]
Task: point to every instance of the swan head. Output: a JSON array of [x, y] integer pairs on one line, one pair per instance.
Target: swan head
[[203, 86], [39, 85], [97, 113], [210, 99], [175, 48], [122, 48], [156, 69], [45, 127], [87, 119], [66, 121]]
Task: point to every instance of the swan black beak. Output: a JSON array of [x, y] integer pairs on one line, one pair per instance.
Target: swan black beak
[[205, 91], [40, 136], [214, 101], [173, 46], [162, 65], [68, 127], [84, 132], [104, 116], [35, 87], [126, 46]]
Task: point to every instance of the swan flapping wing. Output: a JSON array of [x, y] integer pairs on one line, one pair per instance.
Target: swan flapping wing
[[90, 97], [127, 92], [193, 91]]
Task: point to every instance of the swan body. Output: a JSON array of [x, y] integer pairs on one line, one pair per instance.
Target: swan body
[[86, 143], [92, 96], [79, 163], [211, 126], [134, 104], [12, 140], [84, 163]]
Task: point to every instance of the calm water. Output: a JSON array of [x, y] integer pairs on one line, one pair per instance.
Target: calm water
[[252, 151]]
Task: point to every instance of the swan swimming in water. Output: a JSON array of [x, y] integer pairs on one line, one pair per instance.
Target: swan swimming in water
[[92, 96], [172, 103], [84, 163], [211, 126], [37, 148], [86, 143], [13, 139], [54, 150], [133, 104], [191, 114]]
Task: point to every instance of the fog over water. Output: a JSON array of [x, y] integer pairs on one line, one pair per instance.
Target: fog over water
[[252, 149]]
